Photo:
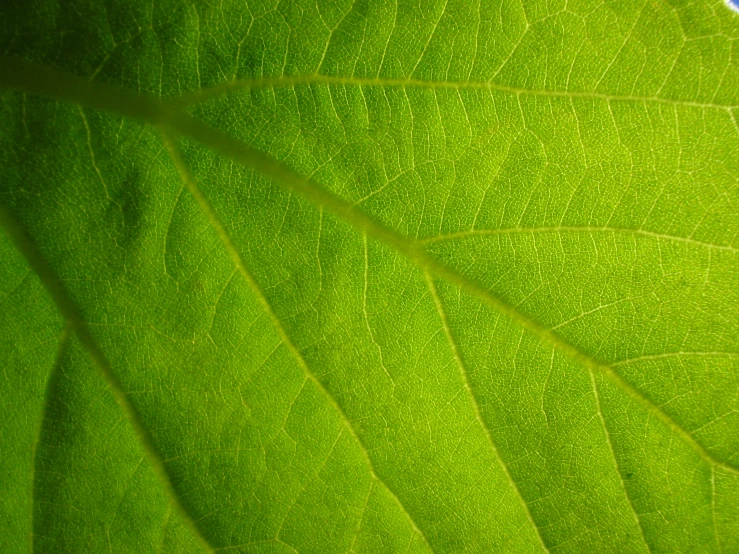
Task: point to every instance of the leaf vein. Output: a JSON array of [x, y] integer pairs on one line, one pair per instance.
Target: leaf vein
[[69, 310], [622, 483], [238, 261], [214, 91], [63, 344], [475, 405], [573, 229]]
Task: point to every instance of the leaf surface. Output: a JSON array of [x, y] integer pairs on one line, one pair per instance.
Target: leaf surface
[[369, 277]]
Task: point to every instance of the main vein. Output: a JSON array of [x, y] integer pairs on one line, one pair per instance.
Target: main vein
[[36, 79], [69, 310]]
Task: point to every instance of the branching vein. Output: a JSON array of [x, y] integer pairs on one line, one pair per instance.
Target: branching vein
[[476, 406], [51, 380], [69, 310], [35, 79], [238, 261]]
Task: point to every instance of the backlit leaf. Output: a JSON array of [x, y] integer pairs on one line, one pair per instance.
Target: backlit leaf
[[369, 276]]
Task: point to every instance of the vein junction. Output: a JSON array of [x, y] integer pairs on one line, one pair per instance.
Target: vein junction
[[35, 79]]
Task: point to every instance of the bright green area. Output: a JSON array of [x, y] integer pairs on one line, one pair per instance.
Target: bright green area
[[481, 295]]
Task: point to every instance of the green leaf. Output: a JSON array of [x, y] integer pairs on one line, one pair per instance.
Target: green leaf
[[368, 276]]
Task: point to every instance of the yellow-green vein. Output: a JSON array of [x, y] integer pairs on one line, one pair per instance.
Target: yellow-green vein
[[238, 262], [599, 409], [209, 93], [476, 407], [59, 85], [573, 229]]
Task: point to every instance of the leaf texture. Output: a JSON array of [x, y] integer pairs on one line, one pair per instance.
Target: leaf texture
[[368, 276]]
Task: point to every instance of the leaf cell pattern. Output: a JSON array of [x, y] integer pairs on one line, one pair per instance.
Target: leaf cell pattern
[[368, 276]]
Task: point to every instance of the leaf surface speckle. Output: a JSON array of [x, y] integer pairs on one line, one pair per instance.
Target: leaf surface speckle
[[369, 276]]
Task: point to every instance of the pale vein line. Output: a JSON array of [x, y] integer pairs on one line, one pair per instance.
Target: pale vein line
[[573, 229], [51, 380], [361, 518], [733, 118], [431, 36], [675, 354], [61, 86], [279, 541], [69, 310], [209, 93], [590, 312], [476, 407], [92, 153], [599, 409], [15, 288], [308, 482], [257, 543], [366, 314], [713, 510], [126, 486], [238, 261], [165, 525]]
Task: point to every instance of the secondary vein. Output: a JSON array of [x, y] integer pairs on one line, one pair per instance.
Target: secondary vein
[[622, 484], [51, 381], [36, 79], [238, 261], [573, 229], [236, 85], [69, 310], [476, 405]]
